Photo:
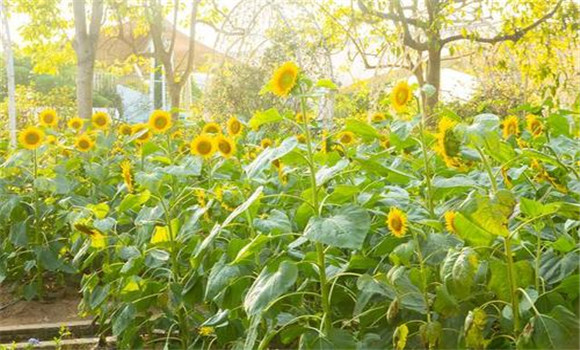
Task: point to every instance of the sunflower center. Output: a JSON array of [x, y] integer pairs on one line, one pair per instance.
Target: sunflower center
[[402, 96], [396, 223], [84, 144], [160, 122], [32, 138], [287, 79], [204, 147], [224, 147], [345, 138], [48, 118], [235, 126], [100, 121]]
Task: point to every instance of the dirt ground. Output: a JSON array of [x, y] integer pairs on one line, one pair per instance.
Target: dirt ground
[[20, 312]]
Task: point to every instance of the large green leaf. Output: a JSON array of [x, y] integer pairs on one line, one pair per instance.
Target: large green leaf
[[264, 117], [347, 228], [499, 281], [221, 276], [265, 158], [133, 201], [268, 286], [326, 173], [361, 129]]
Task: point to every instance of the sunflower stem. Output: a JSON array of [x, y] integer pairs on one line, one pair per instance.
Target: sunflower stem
[[321, 259], [427, 169], [512, 282], [423, 276], [488, 169]]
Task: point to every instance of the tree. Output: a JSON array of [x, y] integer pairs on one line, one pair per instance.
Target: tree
[[7, 46], [426, 28], [85, 46]]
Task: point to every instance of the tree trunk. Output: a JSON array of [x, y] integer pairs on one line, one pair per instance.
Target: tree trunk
[[174, 90], [433, 78], [85, 74], [7, 43]]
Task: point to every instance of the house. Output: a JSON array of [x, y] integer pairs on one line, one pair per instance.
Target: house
[[140, 85]]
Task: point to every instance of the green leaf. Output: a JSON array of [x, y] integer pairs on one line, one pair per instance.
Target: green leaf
[[277, 222], [268, 286], [133, 201], [326, 173], [499, 281], [124, 319], [221, 276], [347, 228], [326, 83], [264, 117], [265, 158], [362, 129]]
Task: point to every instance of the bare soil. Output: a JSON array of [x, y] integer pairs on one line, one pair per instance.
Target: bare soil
[[60, 307]]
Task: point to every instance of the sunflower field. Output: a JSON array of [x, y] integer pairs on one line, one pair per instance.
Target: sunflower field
[[276, 231]]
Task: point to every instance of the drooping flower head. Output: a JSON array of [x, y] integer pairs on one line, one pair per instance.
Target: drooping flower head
[[225, 146], [31, 137], [212, 128], [203, 145], [234, 126], [448, 144], [101, 120], [534, 125], [160, 121], [284, 79], [397, 222], [142, 129], [450, 221], [127, 175], [510, 126], [48, 118]]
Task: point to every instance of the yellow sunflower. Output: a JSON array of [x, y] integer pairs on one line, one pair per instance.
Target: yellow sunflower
[[160, 121], [101, 120], [234, 126], [51, 140], [385, 141], [401, 95], [206, 331], [84, 143], [448, 144], [534, 125], [48, 118], [125, 129], [510, 126], [265, 143], [450, 221], [346, 137], [301, 119], [127, 175], [177, 134], [138, 128], [203, 145], [76, 123], [284, 79], [397, 222], [212, 128], [31, 137], [226, 146], [378, 117], [301, 138]]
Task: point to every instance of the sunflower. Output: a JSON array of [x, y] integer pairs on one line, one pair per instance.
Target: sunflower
[[206, 331], [48, 117], [125, 129], [203, 145], [234, 126], [84, 143], [212, 128], [301, 138], [127, 175], [397, 222], [510, 126], [160, 121], [385, 141], [76, 123], [448, 143], [31, 137], [138, 128], [301, 119], [51, 140], [101, 120], [450, 221], [284, 79], [177, 134], [534, 125], [378, 117], [346, 137], [226, 146], [266, 143], [401, 95]]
